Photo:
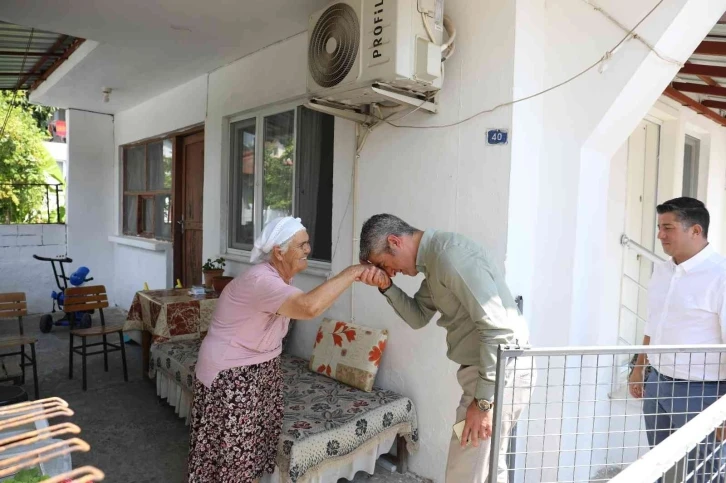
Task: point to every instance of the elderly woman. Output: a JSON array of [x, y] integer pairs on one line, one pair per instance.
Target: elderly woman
[[237, 409]]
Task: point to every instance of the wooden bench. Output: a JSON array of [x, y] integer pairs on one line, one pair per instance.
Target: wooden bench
[[327, 425]]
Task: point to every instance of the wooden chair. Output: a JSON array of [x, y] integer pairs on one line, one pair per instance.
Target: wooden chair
[[14, 305], [81, 299]]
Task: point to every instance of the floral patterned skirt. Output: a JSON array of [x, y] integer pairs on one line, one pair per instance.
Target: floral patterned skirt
[[236, 425]]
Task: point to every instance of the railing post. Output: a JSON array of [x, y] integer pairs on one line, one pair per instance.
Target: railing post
[[47, 201], [499, 384], [57, 205]]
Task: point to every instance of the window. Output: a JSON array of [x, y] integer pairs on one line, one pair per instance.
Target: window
[[282, 164], [147, 170], [690, 167]]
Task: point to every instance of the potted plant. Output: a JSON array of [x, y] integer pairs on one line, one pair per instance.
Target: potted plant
[[211, 269]]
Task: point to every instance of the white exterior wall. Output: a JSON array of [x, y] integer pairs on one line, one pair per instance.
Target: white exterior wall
[[90, 202], [21, 272], [58, 151], [442, 178], [447, 179], [529, 72], [152, 263]]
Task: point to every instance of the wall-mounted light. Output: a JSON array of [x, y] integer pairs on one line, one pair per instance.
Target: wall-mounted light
[[106, 94]]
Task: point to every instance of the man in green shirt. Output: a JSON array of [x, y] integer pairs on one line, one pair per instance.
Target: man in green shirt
[[464, 285]]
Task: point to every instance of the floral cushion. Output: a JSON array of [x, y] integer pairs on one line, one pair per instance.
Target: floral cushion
[[176, 358], [348, 353], [325, 419]]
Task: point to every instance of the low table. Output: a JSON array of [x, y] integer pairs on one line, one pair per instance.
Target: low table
[[174, 314]]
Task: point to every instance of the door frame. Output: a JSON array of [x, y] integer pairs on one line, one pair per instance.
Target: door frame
[[177, 197], [641, 192]]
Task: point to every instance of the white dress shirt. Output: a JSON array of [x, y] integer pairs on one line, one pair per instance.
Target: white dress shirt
[[687, 305]]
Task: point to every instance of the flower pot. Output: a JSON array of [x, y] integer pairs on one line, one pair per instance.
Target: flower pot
[[220, 282], [210, 274]]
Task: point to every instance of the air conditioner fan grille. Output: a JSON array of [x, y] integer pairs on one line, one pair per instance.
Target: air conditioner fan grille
[[334, 44]]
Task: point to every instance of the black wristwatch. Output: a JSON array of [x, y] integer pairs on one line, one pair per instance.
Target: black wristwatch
[[383, 292]]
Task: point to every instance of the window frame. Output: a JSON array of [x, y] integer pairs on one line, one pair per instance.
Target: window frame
[[242, 254], [146, 194], [695, 165]]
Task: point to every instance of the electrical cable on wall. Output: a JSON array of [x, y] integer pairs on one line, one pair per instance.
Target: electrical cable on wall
[[635, 36], [447, 49], [630, 34]]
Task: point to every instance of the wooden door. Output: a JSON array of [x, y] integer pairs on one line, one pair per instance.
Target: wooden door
[[189, 218]]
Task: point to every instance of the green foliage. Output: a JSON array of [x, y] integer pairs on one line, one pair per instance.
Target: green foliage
[[23, 160], [278, 176], [41, 114], [28, 476], [217, 264]]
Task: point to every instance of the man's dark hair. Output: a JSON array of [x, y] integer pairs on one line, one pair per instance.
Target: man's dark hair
[[376, 230], [688, 211]]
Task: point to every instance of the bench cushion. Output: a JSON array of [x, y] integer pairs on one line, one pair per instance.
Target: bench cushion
[[324, 420], [178, 359]]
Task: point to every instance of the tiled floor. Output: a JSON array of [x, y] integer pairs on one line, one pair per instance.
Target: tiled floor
[[134, 436]]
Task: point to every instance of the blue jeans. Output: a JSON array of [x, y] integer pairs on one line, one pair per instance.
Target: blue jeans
[[669, 404]]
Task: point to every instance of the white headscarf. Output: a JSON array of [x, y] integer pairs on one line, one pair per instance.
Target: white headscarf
[[276, 232]]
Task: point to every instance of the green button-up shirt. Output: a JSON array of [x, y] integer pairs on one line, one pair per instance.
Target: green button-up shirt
[[477, 309]]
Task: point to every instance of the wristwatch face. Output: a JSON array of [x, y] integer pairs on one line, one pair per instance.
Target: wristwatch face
[[483, 404]]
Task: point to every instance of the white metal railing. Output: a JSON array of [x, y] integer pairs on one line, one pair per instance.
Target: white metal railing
[[680, 446], [630, 321], [640, 249], [625, 336], [572, 428]]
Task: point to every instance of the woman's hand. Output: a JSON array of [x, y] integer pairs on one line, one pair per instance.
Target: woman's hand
[[375, 277], [355, 271], [306, 306]]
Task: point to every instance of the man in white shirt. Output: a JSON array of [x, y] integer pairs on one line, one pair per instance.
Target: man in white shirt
[[686, 305]]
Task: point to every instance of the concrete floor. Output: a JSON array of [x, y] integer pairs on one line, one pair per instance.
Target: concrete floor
[[135, 437]]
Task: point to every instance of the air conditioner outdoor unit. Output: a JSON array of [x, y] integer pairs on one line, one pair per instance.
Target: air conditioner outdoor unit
[[356, 48]]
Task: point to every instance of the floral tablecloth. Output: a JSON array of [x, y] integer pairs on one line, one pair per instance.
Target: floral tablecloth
[[171, 314], [324, 420]]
